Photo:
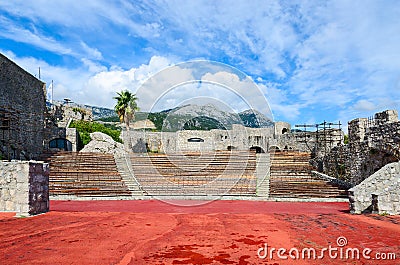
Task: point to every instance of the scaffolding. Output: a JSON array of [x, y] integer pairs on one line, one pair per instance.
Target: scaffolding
[[324, 135]]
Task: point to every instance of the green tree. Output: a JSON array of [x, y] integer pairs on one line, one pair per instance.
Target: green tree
[[126, 106]]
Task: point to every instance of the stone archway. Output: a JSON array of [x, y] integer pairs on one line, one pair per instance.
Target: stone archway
[[258, 149], [60, 143], [274, 148]]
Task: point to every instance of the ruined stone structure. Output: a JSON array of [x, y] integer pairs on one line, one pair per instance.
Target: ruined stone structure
[[379, 193], [22, 109], [279, 137], [239, 138], [64, 113], [58, 135], [373, 143], [24, 187]]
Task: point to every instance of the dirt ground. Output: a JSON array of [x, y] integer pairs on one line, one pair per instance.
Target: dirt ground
[[219, 232]]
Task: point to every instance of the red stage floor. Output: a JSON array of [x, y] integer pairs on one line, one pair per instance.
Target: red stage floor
[[221, 232]]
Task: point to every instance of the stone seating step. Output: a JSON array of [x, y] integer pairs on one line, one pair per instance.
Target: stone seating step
[[84, 174], [208, 173]]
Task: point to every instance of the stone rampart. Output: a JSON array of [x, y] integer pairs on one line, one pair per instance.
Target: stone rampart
[[373, 143], [22, 107], [24, 187]]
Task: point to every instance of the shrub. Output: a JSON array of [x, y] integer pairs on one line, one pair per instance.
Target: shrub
[[346, 139], [84, 129]]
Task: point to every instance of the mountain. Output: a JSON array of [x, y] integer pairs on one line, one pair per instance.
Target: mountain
[[206, 117], [201, 117], [100, 112], [255, 119], [203, 123], [191, 117]]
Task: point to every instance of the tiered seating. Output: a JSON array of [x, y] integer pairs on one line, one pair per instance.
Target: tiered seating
[[291, 178], [84, 174], [213, 173]]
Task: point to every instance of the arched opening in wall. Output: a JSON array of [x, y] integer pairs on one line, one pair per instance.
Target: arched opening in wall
[[230, 148], [284, 130], [195, 140], [274, 148], [61, 143], [257, 149]]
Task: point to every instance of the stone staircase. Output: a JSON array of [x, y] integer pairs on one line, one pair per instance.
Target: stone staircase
[[291, 178], [125, 170], [262, 174], [196, 174]]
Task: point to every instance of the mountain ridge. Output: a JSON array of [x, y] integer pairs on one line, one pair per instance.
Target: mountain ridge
[[189, 117]]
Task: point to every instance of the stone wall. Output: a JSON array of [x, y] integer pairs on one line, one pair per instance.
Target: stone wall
[[24, 187], [373, 143], [239, 138], [70, 134], [22, 97], [278, 137], [380, 193], [281, 127]]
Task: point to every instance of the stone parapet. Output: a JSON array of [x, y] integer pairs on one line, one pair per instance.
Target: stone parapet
[[380, 193]]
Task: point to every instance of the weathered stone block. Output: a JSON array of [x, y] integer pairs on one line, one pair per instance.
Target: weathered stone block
[[27, 189]]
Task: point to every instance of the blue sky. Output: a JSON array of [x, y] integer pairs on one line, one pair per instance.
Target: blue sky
[[313, 60]]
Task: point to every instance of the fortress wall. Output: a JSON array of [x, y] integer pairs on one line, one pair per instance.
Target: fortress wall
[[23, 97], [372, 145]]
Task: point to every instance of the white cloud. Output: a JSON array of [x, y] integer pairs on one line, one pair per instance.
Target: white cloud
[[91, 52], [245, 94], [364, 105], [10, 31], [280, 105], [67, 82], [92, 83], [105, 84]]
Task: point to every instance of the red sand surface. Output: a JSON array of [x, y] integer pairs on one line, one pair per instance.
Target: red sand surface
[[220, 232]]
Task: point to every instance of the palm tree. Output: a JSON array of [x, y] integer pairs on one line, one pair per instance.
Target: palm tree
[[126, 106]]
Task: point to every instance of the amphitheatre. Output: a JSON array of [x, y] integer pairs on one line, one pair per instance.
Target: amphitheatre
[[216, 196]]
